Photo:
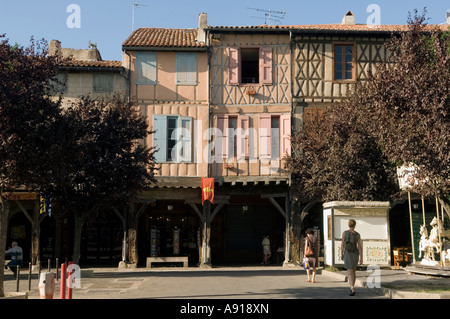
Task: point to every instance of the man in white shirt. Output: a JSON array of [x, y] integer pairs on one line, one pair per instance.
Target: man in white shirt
[[16, 254]]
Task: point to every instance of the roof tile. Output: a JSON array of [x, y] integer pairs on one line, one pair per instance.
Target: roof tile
[[160, 37]]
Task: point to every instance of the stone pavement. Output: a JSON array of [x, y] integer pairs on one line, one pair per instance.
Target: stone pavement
[[254, 282]]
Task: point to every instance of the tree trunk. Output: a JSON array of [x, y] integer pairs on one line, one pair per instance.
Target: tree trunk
[[132, 239], [4, 214], [35, 235], [79, 221]]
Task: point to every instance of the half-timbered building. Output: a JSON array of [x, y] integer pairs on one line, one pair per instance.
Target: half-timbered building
[[168, 79], [250, 117]]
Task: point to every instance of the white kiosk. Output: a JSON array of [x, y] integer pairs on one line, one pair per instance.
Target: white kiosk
[[372, 220]]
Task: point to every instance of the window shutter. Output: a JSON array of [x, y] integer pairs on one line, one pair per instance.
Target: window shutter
[[145, 68], [265, 141], [242, 137], [221, 141], [186, 68], [285, 132], [160, 137], [103, 82], [184, 140], [234, 70], [265, 65]]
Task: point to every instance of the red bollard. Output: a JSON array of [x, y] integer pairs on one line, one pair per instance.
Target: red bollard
[[62, 294], [70, 281]]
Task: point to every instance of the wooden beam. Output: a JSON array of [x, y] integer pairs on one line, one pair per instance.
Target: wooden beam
[[18, 203], [195, 208], [216, 210], [278, 207]]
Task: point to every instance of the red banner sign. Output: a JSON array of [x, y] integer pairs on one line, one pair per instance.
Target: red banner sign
[[208, 189]]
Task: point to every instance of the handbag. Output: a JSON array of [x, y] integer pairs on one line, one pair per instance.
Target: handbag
[[309, 251]]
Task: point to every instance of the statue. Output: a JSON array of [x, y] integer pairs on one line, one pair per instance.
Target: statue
[[423, 243]]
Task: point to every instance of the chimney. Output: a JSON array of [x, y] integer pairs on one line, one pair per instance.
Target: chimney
[[349, 19], [202, 24], [54, 48]]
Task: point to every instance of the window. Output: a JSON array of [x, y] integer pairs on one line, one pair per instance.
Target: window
[[233, 139], [344, 62], [103, 82], [274, 136], [250, 65], [146, 68], [187, 68], [172, 138]]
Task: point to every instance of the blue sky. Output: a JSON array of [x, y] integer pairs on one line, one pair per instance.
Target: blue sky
[[109, 22]]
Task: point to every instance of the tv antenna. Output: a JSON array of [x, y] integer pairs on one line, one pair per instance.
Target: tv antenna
[[270, 15], [136, 4]]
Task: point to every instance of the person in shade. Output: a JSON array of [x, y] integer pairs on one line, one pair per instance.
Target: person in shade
[[312, 241], [351, 252], [15, 252], [266, 249]]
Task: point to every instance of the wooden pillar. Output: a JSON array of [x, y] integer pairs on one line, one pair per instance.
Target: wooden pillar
[[206, 238]]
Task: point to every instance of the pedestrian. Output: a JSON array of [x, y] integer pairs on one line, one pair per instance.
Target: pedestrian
[[16, 254], [312, 253], [351, 251], [266, 249]]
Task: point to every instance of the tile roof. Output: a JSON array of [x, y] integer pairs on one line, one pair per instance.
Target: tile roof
[[160, 37], [337, 27], [92, 64], [186, 38]]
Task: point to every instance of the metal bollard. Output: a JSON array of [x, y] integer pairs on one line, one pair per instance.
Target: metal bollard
[[46, 285], [57, 263], [17, 278], [70, 280], [29, 277], [62, 294]]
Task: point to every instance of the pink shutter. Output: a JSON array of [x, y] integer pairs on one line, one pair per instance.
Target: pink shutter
[[285, 135], [265, 141], [265, 65], [222, 140], [233, 65], [242, 136]]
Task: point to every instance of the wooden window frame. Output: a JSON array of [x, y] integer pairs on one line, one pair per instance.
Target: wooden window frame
[[354, 62], [237, 65]]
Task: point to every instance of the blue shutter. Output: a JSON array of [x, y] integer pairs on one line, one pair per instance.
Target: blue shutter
[[160, 137], [187, 68], [145, 68], [184, 140]]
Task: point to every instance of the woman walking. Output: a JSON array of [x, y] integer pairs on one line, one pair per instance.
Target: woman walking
[[312, 253], [351, 251]]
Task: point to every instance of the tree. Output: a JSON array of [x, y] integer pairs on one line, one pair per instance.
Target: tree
[[27, 120], [334, 158], [406, 105], [107, 163]]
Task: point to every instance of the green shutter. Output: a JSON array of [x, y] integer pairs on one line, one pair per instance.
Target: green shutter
[[160, 137], [145, 67], [186, 68]]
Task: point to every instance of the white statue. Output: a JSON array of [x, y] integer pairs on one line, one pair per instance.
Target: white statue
[[424, 243]]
